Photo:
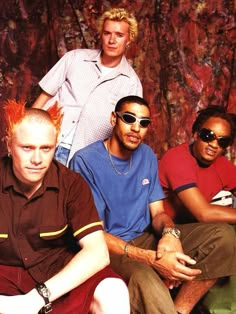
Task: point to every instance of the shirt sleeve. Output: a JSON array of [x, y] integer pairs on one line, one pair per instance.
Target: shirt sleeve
[[135, 87], [177, 170], [78, 164], [57, 75], [82, 212], [156, 192]]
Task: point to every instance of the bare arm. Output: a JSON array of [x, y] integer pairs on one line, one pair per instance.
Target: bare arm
[[92, 258], [41, 100], [171, 264], [82, 266], [160, 220], [202, 210]]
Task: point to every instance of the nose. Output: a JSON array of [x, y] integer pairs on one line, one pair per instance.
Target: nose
[[112, 39], [36, 157], [214, 143], [135, 127]]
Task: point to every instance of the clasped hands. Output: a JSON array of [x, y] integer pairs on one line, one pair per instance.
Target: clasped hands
[[172, 264]]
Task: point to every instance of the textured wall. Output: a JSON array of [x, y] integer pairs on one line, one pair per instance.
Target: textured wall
[[184, 55]]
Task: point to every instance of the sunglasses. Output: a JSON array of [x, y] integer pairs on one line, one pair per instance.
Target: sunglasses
[[208, 136], [129, 118]]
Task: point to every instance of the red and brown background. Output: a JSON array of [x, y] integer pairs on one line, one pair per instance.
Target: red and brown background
[[184, 55]]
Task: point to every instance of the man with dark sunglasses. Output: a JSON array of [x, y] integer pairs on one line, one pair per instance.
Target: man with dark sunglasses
[[143, 241], [192, 174]]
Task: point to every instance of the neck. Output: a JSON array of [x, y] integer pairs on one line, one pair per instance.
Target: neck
[[116, 150], [201, 162], [28, 190], [110, 62], [107, 144]]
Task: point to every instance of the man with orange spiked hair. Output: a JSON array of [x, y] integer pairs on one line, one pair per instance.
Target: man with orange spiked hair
[[53, 256]]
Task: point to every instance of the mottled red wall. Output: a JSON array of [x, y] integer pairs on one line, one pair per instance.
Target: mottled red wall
[[184, 55]]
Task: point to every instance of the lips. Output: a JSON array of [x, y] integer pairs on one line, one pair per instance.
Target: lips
[[211, 152], [111, 48], [134, 138], [35, 170]]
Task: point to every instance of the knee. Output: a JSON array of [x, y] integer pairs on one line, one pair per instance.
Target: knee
[[111, 296], [226, 238], [147, 281]]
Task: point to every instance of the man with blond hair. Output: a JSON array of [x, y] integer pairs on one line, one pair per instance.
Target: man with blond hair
[[50, 231], [89, 82]]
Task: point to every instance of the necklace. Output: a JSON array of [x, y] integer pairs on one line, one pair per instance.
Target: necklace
[[113, 165]]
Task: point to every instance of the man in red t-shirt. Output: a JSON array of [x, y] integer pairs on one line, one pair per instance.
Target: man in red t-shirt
[[192, 174]]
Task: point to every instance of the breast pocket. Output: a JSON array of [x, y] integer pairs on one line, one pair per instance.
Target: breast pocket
[[53, 232], [54, 236]]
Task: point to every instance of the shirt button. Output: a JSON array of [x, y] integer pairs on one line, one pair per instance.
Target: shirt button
[[26, 259]]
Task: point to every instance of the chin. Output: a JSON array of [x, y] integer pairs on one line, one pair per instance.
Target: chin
[[207, 161]]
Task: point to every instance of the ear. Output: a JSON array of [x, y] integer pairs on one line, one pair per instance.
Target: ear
[[128, 44], [195, 136], [113, 118], [8, 144]]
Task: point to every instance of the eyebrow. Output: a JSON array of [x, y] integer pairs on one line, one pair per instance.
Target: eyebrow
[[141, 117]]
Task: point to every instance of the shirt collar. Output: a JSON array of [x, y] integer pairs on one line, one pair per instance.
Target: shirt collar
[[123, 68], [51, 179]]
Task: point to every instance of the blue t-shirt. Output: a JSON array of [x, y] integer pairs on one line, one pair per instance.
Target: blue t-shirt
[[122, 200]]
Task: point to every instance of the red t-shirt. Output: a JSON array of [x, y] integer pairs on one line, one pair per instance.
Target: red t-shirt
[[179, 170]]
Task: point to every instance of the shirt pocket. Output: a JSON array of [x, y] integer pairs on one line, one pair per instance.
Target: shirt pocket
[[57, 237], [53, 232], [4, 232], [4, 238]]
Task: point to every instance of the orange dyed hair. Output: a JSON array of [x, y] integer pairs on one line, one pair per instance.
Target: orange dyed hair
[[15, 112]]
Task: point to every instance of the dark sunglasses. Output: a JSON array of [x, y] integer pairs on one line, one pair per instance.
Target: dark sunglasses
[[208, 136], [131, 119]]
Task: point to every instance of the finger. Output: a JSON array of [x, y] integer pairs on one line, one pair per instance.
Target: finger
[[160, 253], [188, 271], [185, 258]]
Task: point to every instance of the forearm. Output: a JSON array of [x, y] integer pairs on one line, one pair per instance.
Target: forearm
[[170, 265], [218, 213], [121, 247], [84, 265], [202, 210], [41, 100], [161, 221]]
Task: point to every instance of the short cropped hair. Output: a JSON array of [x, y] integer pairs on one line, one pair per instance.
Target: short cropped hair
[[215, 111], [15, 112], [120, 14], [130, 99]]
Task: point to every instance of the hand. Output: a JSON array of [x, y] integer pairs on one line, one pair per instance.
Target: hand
[[172, 266], [171, 284], [29, 303], [168, 243]]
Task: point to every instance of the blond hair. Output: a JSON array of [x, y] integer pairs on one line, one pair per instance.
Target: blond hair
[[120, 14]]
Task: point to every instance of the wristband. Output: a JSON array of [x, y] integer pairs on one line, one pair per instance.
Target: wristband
[[126, 252]]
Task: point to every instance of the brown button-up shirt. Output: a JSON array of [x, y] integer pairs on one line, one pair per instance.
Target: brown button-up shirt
[[40, 233]]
